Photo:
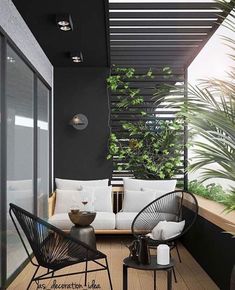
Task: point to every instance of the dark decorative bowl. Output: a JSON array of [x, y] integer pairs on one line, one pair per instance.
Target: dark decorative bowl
[[82, 218]]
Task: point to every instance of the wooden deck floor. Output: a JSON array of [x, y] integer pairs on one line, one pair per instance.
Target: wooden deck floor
[[189, 274]]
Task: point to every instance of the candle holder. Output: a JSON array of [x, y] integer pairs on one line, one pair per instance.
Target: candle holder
[[163, 255]]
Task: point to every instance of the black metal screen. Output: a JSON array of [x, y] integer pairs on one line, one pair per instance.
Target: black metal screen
[[148, 87], [158, 35]]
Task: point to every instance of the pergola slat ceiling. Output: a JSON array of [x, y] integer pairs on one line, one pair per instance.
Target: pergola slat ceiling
[[155, 35], [142, 33]]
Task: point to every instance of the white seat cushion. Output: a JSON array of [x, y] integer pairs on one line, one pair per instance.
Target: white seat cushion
[[103, 221], [124, 220]]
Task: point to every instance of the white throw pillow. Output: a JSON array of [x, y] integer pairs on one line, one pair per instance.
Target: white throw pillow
[[102, 198], [69, 184], [157, 230], [135, 201], [166, 230], [66, 199], [158, 192], [138, 184]]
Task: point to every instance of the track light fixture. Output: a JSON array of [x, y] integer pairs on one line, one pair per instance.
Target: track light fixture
[[64, 22]]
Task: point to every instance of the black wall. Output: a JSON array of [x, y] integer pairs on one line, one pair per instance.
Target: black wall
[[213, 250], [81, 154]]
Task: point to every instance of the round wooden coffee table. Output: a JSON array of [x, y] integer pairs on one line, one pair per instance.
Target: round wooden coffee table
[[129, 263]]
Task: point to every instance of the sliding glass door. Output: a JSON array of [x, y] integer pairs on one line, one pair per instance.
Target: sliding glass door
[[20, 134], [24, 151]]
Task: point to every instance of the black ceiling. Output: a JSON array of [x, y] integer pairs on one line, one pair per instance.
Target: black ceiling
[[89, 34]]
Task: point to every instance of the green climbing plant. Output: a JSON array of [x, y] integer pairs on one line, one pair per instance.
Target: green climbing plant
[[150, 148]]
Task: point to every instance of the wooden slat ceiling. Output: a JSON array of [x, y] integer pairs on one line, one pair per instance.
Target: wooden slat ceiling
[[158, 34]]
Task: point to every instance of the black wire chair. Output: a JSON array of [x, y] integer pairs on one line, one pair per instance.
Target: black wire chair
[[53, 248], [174, 206]]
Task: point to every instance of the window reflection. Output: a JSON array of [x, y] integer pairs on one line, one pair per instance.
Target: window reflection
[[19, 101]]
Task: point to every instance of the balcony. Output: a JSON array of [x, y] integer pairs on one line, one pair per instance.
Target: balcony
[[114, 90]]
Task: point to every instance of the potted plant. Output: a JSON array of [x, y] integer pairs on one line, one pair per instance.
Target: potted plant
[[211, 113]]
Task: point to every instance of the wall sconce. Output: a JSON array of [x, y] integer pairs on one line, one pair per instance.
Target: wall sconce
[[64, 22], [79, 122]]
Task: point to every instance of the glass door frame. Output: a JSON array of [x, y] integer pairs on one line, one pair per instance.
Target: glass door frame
[[4, 41]]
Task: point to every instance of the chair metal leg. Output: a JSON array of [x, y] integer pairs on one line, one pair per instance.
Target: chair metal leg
[[32, 279], [178, 253], [86, 273], [110, 281]]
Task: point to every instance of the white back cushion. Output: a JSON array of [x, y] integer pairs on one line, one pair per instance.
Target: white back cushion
[[135, 201], [158, 192], [158, 185], [65, 199], [102, 198], [69, 184], [99, 199]]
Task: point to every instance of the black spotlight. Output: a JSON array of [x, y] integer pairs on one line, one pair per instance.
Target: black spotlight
[[64, 22], [76, 56]]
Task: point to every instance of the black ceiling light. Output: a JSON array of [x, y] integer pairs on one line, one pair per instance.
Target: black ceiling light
[[76, 56], [64, 22]]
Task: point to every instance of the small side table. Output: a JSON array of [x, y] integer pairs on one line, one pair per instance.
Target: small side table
[[129, 263], [82, 230], [86, 234]]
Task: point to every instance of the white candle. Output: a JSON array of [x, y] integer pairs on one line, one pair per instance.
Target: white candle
[[163, 255]]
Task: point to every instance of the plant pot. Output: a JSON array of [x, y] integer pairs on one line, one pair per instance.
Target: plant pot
[[232, 281]]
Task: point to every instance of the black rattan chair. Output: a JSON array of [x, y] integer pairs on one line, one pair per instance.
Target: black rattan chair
[[174, 206], [53, 248]]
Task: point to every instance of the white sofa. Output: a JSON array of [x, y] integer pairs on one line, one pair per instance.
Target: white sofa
[[137, 194], [99, 196]]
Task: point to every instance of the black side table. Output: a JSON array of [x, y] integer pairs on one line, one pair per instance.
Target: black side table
[[86, 234], [82, 230], [129, 263]]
